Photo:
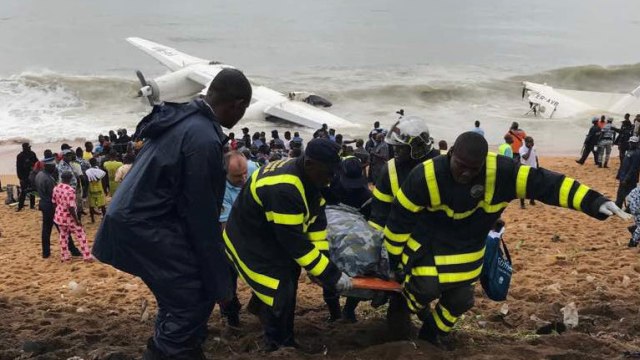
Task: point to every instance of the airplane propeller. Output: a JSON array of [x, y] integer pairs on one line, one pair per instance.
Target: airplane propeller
[[145, 90]]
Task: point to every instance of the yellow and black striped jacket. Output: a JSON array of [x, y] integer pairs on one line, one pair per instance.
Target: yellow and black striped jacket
[[392, 175], [432, 216], [277, 224]]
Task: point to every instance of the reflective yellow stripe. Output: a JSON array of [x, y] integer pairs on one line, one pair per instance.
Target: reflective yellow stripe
[[284, 219], [458, 277], [432, 183], [521, 181], [406, 203], [317, 235], [265, 298], [320, 267], [284, 179], [405, 259], [413, 245], [309, 257], [321, 245], [395, 237], [424, 271], [447, 315], [579, 196], [439, 322], [323, 202], [393, 249], [490, 184], [414, 305], [375, 226], [253, 187], [459, 258], [393, 176], [565, 188], [382, 196], [264, 280], [489, 208]]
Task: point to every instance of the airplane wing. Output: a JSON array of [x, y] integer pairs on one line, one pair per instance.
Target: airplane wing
[[169, 57]]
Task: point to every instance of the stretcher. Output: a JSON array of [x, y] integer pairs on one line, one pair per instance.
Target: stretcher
[[373, 283]]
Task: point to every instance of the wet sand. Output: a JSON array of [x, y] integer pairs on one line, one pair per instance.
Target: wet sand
[[559, 257]]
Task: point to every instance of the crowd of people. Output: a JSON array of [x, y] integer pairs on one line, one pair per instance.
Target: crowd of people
[[199, 209]]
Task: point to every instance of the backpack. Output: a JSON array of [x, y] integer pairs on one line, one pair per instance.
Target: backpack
[[496, 271]]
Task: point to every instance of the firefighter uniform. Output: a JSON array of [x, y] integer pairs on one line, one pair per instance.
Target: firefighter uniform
[[278, 225], [392, 176], [437, 228]]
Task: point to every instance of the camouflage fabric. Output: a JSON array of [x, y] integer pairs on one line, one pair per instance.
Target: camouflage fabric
[[354, 246]]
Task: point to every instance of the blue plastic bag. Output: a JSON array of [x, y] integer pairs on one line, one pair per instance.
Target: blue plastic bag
[[496, 271]]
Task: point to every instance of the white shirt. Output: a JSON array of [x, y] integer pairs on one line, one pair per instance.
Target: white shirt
[[532, 156]]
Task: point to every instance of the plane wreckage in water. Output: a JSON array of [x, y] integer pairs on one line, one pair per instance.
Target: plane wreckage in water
[[191, 76], [547, 102]]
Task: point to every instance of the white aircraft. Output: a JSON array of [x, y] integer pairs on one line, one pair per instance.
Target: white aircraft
[[550, 103], [190, 77]]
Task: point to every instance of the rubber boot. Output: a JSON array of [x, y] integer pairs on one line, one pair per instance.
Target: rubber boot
[[398, 317], [334, 309], [430, 332], [349, 310]]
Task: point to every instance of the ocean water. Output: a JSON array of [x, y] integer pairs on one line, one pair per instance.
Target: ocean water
[[67, 73]]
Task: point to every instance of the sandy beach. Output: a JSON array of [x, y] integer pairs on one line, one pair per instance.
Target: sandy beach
[[559, 257]]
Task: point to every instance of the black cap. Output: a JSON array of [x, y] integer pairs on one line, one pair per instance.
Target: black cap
[[351, 175], [324, 151]]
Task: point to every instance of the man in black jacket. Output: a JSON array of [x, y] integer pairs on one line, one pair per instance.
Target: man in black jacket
[[161, 224], [24, 164], [628, 173], [590, 142]]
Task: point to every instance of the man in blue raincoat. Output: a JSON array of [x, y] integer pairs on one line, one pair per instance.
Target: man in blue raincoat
[[161, 224]]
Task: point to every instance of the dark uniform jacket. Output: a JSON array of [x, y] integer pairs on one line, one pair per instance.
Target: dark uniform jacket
[[391, 178], [433, 216], [628, 172], [277, 225], [162, 223], [24, 164]]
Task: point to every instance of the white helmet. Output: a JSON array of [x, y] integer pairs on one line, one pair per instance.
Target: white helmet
[[412, 131]]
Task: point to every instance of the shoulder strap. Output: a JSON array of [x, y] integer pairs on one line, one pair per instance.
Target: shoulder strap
[[506, 250]]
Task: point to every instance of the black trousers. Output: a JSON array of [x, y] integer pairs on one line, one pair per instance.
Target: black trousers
[[623, 190], [232, 307], [48, 211], [25, 187], [621, 152], [278, 324], [183, 312], [589, 149]]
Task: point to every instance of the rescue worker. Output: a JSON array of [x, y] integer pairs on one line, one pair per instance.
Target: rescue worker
[[625, 133], [605, 142], [590, 142], [161, 224], [412, 142], [278, 225], [628, 172], [457, 199]]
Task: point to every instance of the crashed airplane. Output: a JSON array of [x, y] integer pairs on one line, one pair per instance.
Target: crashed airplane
[[190, 77], [547, 102]]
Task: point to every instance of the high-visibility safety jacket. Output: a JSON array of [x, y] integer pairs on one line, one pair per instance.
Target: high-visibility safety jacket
[[505, 150], [277, 224], [392, 176], [432, 216]]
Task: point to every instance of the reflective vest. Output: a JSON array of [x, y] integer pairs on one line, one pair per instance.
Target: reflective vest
[[502, 149]]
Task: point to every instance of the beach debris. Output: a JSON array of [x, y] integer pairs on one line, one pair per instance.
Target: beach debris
[[570, 315], [626, 280], [144, 314], [76, 289], [574, 272], [519, 244], [552, 327], [504, 310], [590, 278], [482, 324], [561, 257], [556, 238], [131, 286], [82, 310]]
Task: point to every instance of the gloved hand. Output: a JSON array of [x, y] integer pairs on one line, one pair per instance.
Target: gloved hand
[[610, 208], [344, 283]]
